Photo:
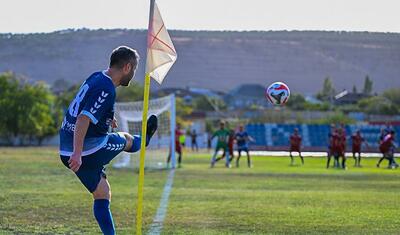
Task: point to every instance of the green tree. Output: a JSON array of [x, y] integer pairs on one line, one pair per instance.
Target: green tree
[[328, 90], [28, 111], [64, 99], [367, 85], [134, 92], [43, 117], [182, 109], [8, 90], [378, 105], [337, 117], [393, 95], [202, 103], [296, 102]]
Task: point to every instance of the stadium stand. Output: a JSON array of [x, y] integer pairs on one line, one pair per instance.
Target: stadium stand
[[276, 136]]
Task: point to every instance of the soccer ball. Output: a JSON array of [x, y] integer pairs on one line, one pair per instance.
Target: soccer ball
[[278, 93]]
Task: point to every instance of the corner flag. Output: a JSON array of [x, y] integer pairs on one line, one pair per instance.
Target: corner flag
[[161, 55]]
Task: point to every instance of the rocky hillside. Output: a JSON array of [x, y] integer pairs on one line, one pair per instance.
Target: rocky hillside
[[216, 60]]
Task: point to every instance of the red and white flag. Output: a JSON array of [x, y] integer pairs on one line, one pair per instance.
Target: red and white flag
[[161, 54]]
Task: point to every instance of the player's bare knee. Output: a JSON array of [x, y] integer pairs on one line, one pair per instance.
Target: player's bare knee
[[129, 141], [103, 190]]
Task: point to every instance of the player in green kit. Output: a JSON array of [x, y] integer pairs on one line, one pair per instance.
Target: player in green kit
[[222, 144]]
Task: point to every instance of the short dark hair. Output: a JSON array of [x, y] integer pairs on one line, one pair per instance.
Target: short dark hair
[[122, 55]]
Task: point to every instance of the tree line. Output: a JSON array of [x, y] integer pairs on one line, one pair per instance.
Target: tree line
[[387, 103], [28, 112]]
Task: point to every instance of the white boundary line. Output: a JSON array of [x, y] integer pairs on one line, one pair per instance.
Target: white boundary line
[[157, 225], [310, 154]]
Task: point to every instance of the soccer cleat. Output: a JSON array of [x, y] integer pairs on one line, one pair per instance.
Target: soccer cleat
[[152, 124]]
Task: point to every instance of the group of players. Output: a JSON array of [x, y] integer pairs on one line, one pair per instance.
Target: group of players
[[226, 139], [337, 147], [337, 139]]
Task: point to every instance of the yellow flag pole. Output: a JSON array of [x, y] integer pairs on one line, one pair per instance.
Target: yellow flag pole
[[139, 210]]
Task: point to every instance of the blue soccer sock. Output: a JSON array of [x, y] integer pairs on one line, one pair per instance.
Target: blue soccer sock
[[135, 144], [102, 213]]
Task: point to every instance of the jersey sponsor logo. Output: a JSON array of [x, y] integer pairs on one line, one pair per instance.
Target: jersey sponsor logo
[[67, 126]]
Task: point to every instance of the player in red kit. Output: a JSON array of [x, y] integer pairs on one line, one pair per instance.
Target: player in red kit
[[357, 141], [178, 146], [342, 146], [387, 148], [332, 131], [295, 145]]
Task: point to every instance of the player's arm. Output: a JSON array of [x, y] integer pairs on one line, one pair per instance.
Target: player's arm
[[81, 127], [114, 123], [213, 135]]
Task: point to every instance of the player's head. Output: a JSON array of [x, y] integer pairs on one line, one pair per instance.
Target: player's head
[[178, 126], [358, 132], [241, 128], [332, 126], [125, 60], [222, 124], [296, 130]]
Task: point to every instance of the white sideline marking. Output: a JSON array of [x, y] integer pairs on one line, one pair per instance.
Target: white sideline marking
[[310, 154], [158, 220]]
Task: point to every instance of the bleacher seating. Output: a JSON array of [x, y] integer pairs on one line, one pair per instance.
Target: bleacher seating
[[317, 134]]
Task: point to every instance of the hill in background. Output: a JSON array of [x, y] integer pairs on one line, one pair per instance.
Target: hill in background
[[216, 60]]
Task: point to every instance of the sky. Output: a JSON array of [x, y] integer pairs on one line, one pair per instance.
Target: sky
[[29, 16]]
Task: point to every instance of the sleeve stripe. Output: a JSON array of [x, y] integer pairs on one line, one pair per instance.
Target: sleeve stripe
[[94, 120]]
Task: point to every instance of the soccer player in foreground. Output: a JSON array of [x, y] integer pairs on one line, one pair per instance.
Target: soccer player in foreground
[[295, 145], [85, 144]]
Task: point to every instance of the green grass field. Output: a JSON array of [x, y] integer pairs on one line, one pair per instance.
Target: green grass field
[[38, 195]]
